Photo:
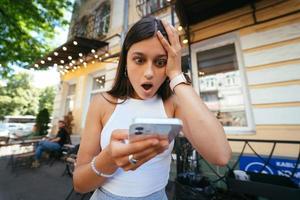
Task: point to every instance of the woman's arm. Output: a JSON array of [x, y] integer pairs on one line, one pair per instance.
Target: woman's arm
[[84, 179], [201, 128]]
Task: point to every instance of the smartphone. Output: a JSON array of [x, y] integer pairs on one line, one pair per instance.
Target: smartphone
[[149, 127]]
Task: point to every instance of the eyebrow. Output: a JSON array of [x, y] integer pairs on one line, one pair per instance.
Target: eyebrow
[[141, 54]]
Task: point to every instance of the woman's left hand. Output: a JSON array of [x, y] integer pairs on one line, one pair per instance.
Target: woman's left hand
[[173, 50]]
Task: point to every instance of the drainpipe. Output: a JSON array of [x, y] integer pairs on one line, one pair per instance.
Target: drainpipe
[[125, 24]]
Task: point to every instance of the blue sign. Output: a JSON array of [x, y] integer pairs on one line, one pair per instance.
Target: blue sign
[[277, 166]]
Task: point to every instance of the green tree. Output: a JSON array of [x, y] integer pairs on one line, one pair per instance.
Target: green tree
[[46, 98], [26, 27], [42, 121], [18, 96]]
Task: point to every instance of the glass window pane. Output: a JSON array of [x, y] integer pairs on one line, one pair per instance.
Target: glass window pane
[[69, 104], [220, 85], [71, 90], [102, 19], [99, 82]]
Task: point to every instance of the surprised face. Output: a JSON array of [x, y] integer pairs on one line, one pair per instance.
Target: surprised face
[[146, 67]]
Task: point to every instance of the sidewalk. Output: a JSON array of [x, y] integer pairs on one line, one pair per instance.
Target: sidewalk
[[45, 183]]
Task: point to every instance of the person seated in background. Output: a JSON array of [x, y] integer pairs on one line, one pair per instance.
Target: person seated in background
[[53, 144]]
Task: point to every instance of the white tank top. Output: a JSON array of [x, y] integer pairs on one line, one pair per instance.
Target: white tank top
[[153, 175]]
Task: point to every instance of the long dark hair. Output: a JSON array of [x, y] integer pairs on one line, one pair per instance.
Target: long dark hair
[[143, 29]]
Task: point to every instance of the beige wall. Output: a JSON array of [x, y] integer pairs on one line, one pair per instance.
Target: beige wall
[[271, 57]]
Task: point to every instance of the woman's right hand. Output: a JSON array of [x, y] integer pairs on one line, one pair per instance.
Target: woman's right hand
[[142, 150]]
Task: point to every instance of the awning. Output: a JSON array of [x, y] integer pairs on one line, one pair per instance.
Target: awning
[[191, 12], [73, 52]]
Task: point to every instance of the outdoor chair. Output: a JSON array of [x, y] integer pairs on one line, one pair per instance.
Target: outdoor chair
[[57, 155], [25, 156], [70, 156]]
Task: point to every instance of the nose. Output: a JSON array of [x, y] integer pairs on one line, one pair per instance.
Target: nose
[[148, 73]]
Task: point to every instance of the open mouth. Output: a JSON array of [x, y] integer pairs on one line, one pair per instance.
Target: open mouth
[[147, 86]]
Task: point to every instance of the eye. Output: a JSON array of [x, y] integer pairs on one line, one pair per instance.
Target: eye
[[161, 62], [138, 60]]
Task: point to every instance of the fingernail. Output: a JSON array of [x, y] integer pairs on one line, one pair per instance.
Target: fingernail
[[158, 32]]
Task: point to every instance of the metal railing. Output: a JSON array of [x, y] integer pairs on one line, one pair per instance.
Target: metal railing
[[192, 171]]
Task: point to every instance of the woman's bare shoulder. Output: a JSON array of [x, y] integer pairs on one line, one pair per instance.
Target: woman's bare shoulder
[[103, 98], [102, 101]]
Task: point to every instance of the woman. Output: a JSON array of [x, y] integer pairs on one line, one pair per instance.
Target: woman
[[150, 57]]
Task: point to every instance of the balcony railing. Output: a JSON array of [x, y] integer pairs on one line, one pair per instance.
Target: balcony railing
[[149, 7]]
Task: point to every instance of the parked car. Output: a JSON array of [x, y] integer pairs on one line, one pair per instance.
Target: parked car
[[4, 132], [17, 130], [19, 126]]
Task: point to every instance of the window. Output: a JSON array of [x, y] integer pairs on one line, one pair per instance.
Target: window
[[147, 7], [98, 85], [80, 27], [102, 19], [70, 98], [221, 84]]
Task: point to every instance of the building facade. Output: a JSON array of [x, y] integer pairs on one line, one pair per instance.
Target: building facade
[[244, 62]]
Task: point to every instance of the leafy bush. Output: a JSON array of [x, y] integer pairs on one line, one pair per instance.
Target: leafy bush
[[42, 121]]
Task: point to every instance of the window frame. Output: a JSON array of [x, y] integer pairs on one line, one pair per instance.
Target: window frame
[[144, 6], [98, 17], [90, 91], [72, 96], [226, 39]]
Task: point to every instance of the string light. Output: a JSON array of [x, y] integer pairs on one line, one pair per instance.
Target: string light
[[70, 57], [62, 61], [55, 65], [64, 48], [75, 42], [93, 62], [106, 54], [49, 58], [36, 65], [179, 28], [93, 51], [80, 60], [42, 61], [185, 41], [55, 53], [201, 73], [80, 54]]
